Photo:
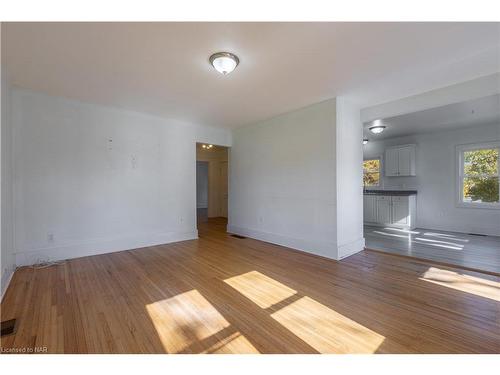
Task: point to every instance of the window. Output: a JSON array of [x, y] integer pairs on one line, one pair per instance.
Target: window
[[478, 184], [371, 172]]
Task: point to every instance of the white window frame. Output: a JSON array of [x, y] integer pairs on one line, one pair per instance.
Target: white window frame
[[460, 149], [379, 172]]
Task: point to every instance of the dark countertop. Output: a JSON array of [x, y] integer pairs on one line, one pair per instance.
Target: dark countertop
[[389, 192]]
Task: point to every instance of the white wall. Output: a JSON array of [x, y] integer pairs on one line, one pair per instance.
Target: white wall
[[201, 184], [349, 159], [283, 180], [92, 179], [7, 252], [435, 179]]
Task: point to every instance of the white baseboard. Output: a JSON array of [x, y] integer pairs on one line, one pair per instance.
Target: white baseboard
[[323, 249], [351, 248], [100, 246], [6, 279]]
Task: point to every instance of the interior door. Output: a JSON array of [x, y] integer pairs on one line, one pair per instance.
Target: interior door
[[384, 209], [391, 162], [404, 161], [223, 188]]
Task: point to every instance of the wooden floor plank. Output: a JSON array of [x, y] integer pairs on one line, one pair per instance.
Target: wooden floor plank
[[221, 294]]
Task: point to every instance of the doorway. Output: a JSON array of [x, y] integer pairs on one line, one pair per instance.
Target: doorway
[[212, 164]]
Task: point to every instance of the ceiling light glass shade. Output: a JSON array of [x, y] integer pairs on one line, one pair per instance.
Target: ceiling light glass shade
[[365, 141], [224, 62], [376, 129]]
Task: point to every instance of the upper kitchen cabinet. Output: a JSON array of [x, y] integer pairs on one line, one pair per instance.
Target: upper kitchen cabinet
[[400, 161]]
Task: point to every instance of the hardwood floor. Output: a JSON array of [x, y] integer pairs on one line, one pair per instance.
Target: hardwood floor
[[221, 294], [464, 250]]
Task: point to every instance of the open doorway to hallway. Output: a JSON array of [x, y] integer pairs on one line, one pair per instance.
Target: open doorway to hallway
[[212, 163]]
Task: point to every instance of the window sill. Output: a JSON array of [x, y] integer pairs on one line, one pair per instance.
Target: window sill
[[488, 206]]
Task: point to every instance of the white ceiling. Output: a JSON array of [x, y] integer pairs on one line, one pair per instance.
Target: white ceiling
[[471, 113], [162, 68]]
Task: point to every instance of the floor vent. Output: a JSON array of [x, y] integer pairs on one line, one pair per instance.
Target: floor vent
[[477, 234], [238, 236], [8, 327]]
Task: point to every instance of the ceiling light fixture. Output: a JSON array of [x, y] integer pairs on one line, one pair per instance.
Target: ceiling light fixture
[[377, 127], [207, 147], [365, 141], [224, 62]]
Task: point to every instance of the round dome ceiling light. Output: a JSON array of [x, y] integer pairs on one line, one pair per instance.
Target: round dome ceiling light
[[377, 127], [224, 62]]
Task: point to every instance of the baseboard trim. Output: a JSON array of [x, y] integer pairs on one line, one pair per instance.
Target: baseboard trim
[[351, 248], [101, 246], [323, 249]]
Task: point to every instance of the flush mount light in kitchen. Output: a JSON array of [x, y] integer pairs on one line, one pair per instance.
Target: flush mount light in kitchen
[[224, 62], [377, 127]]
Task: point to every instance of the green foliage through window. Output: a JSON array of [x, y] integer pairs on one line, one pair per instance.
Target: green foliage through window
[[480, 176], [371, 172]]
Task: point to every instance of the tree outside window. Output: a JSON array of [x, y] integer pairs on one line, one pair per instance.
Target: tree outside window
[[479, 181], [371, 172]]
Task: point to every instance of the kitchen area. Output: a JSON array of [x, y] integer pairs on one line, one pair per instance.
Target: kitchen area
[[418, 200]]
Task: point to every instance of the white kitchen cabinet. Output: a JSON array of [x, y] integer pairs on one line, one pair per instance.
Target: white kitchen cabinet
[[391, 162], [400, 161], [383, 209], [370, 208], [400, 212], [397, 211]]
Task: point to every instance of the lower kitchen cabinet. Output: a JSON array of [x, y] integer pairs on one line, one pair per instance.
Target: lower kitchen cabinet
[[390, 210]]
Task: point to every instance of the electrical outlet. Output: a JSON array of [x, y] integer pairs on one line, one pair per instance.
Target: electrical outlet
[[50, 237]]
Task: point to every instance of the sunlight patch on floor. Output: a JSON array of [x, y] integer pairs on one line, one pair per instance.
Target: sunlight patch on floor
[[187, 321], [260, 289], [464, 283], [235, 343], [402, 230], [446, 236], [440, 244], [433, 241], [407, 237], [326, 330], [424, 241]]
